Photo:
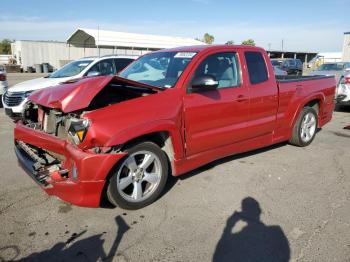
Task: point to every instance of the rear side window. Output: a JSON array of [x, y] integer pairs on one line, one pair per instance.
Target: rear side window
[[256, 67], [104, 67], [121, 63]]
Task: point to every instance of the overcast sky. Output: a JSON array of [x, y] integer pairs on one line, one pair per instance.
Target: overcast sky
[[308, 25]]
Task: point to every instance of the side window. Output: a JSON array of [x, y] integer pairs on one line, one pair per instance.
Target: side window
[[104, 67], [121, 63], [223, 66], [256, 67]]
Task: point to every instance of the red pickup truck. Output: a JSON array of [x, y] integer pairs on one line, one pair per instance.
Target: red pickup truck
[[169, 112]]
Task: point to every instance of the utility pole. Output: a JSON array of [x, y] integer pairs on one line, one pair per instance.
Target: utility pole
[[98, 39]]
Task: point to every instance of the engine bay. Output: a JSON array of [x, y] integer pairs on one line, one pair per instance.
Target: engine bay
[[58, 123]]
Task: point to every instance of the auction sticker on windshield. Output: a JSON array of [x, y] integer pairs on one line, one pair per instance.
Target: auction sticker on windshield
[[185, 54]]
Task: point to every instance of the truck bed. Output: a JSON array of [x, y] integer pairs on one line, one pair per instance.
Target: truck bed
[[291, 78], [299, 90]]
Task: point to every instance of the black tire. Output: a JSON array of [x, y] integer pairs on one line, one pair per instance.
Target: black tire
[[112, 190], [296, 136]]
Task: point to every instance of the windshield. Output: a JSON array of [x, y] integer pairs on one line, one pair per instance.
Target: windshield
[[331, 67], [161, 69], [71, 69]]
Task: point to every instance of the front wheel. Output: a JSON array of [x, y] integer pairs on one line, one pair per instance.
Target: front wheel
[[139, 178], [305, 128]]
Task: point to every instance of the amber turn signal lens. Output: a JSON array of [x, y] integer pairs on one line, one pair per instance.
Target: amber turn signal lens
[[80, 134]]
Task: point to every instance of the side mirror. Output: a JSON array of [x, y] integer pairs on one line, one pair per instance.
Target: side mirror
[[93, 73], [204, 83]]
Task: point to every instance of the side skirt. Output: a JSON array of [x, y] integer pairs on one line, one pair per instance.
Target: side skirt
[[187, 164]]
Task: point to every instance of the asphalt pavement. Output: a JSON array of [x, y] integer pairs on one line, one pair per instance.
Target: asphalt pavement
[[281, 203]]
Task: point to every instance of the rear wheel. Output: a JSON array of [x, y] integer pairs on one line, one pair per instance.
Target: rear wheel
[[139, 178], [305, 128]]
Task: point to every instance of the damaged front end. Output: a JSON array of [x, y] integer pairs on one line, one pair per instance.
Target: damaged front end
[[38, 163], [48, 145], [68, 126], [52, 142], [42, 163]]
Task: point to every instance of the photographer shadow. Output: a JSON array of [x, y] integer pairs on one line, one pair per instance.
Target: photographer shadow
[[255, 241], [87, 249]]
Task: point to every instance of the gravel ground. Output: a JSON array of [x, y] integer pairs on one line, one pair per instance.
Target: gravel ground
[[276, 204]]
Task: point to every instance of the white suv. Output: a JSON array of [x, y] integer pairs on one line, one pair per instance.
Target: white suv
[[343, 90], [3, 82], [15, 98]]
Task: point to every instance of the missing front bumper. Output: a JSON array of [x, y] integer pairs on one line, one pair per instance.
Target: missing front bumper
[[93, 168]]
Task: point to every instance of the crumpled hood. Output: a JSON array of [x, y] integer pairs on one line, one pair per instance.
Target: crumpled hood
[[75, 95]]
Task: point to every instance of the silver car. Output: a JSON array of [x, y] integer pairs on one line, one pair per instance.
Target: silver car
[[343, 90], [338, 69]]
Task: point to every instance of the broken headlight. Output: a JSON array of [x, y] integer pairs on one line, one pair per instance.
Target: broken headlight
[[77, 129]]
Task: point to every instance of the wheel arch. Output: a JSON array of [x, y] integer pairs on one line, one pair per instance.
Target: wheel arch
[[161, 138], [315, 101]]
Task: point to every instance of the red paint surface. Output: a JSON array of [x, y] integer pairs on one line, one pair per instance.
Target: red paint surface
[[202, 127]]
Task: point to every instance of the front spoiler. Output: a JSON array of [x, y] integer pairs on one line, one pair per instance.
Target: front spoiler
[[92, 168]]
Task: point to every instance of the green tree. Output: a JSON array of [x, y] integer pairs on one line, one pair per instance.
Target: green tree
[[248, 42], [5, 46], [208, 39], [230, 42]]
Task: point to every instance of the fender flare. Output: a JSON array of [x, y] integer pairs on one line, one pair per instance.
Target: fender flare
[[134, 132], [317, 96]]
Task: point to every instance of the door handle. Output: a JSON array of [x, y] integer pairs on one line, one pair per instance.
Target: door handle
[[241, 98]]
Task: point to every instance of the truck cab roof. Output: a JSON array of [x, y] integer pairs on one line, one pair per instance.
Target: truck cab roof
[[199, 48]]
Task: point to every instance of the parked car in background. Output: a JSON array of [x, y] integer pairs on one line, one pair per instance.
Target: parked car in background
[[343, 90], [292, 66], [3, 82], [276, 62], [15, 98], [277, 67], [337, 69], [279, 72], [169, 112]]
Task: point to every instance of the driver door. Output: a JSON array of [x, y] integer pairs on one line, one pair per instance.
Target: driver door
[[215, 118]]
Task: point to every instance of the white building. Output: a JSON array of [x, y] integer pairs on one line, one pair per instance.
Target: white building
[[91, 42], [346, 47]]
